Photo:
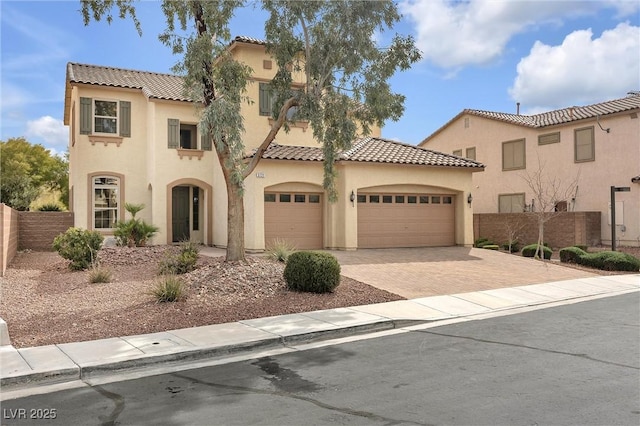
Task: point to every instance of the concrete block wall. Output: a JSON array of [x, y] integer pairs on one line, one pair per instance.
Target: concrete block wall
[[8, 236], [38, 229], [563, 229]]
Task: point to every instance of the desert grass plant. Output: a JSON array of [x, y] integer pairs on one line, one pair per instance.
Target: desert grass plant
[[280, 250], [100, 274], [50, 207], [182, 262], [167, 288]]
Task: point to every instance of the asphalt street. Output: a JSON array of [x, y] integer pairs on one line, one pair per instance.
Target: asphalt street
[[577, 364]]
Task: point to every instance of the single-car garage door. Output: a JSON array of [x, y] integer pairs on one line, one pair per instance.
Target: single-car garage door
[[405, 220], [294, 217]]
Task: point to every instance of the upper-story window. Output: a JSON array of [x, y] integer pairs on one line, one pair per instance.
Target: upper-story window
[[266, 101], [513, 155], [584, 144], [185, 136], [105, 117], [457, 152], [470, 153]]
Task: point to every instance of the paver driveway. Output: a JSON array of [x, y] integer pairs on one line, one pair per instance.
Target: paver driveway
[[421, 272]]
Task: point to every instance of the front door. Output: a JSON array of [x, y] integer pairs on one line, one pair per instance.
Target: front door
[[180, 213]]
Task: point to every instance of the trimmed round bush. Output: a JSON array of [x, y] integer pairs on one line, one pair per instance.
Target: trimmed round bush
[[530, 251], [491, 247], [571, 254], [611, 261], [481, 241], [312, 271], [515, 246]]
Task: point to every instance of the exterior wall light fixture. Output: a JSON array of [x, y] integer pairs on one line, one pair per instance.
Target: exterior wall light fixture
[[352, 197], [469, 199]]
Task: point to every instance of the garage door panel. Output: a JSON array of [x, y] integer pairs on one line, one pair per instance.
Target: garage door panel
[[406, 224], [299, 223]]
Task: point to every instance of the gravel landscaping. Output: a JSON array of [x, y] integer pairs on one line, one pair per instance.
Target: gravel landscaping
[[43, 302]]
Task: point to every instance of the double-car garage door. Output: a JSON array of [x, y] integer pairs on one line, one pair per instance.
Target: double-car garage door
[[405, 220], [385, 220]]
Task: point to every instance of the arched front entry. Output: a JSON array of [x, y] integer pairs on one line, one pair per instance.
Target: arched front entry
[[189, 211]]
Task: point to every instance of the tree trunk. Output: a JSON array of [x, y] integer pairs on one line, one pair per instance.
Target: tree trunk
[[235, 223]]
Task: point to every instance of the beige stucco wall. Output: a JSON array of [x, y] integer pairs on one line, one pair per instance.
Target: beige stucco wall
[[617, 160]]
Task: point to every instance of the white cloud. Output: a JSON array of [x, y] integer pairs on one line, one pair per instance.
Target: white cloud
[[453, 34], [581, 70], [52, 131]]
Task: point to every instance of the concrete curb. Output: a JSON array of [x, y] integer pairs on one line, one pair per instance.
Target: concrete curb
[[93, 370]]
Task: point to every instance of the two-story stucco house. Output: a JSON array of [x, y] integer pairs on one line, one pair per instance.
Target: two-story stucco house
[[134, 138], [599, 145]]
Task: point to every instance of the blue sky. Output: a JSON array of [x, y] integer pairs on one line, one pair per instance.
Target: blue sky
[[477, 54]]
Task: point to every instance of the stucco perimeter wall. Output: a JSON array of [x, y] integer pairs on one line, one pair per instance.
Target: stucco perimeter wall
[[8, 236], [562, 230], [38, 229]]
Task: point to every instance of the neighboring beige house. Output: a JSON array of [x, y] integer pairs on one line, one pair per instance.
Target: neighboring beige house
[[134, 137], [597, 144]]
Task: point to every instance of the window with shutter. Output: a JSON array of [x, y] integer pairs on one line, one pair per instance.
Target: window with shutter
[[584, 145]]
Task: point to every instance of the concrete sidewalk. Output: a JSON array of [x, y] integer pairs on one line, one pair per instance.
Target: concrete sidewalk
[[83, 360]]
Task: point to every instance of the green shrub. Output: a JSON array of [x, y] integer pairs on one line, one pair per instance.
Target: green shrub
[[134, 232], [182, 262], [99, 275], [611, 261], [80, 246], [530, 251], [481, 241], [491, 247], [280, 250], [312, 271], [168, 288], [515, 246], [571, 254], [50, 207]]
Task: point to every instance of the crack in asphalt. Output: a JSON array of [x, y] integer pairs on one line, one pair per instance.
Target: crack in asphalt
[[348, 411], [515, 345], [118, 401]]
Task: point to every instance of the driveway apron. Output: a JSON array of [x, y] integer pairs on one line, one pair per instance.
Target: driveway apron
[[422, 272]]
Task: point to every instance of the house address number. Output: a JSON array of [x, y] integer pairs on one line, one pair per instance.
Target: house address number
[[260, 174]]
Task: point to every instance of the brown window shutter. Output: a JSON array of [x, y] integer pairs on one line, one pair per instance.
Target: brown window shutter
[[125, 119], [85, 116], [173, 139]]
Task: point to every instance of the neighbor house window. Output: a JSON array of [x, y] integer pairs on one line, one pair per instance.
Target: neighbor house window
[[549, 138], [471, 153], [106, 191], [105, 117], [511, 203], [458, 152], [513, 155], [584, 145]]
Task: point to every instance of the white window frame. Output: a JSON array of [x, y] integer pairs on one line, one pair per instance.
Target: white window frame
[[95, 208], [94, 116]]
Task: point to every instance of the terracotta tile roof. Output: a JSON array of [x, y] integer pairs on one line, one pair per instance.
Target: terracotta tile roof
[[551, 118], [251, 40], [374, 150], [564, 115], [153, 85]]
